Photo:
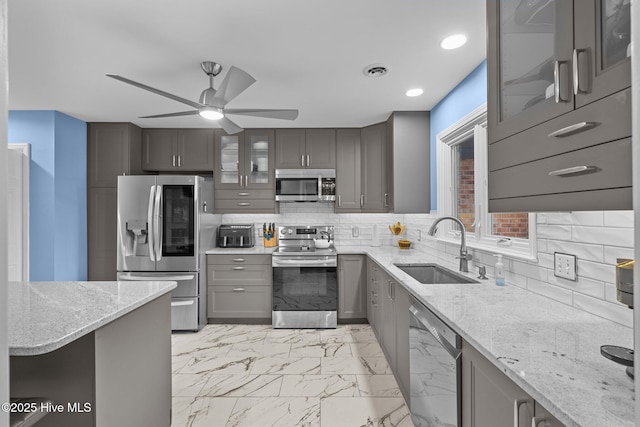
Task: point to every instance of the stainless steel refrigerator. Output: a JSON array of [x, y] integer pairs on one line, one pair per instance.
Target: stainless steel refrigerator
[[165, 225]]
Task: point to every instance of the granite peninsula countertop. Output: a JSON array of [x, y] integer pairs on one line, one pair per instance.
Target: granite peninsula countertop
[[549, 349], [44, 316]]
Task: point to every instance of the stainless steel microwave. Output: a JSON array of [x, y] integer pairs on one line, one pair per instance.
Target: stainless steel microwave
[[305, 185]]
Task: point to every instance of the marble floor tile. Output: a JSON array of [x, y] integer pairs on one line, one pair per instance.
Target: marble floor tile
[[188, 385], [235, 385], [259, 350], [319, 349], [378, 386], [203, 348], [355, 365], [218, 365], [276, 412], [286, 365], [201, 411], [319, 385], [179, 362], [347, 335], [364, 411], [292, 336], [366, 348], [231, 334]]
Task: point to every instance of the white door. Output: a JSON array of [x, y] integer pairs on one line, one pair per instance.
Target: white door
[[18, 211]]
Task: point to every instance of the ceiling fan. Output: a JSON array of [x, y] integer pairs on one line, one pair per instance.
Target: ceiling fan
[[212, 102]]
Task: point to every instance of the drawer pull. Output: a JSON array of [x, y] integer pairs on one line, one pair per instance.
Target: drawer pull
[[375, 294], [238, 268], [578, 127], [244, 204], [516, 411], [536, 421], [244, 194], [571, 171], [238, 289], [238, 260]]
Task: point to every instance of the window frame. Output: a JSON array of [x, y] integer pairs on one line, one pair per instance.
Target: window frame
[[474, 123]]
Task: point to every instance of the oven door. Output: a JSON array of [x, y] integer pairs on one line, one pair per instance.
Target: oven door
[[305, 292]]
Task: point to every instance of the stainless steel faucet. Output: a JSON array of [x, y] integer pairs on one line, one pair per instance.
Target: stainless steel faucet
[[464, 257]]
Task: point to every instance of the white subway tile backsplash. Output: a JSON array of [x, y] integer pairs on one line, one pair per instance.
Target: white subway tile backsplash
[[554, 292], [618, 219], [587, 218], [583, 285], [612, 253], [610, 292], [557, 218], [597, 271], [603, 236], [613, 311], [580, 250], [558, 232]]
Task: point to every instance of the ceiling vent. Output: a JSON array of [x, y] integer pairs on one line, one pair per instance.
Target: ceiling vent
[[375, 70]]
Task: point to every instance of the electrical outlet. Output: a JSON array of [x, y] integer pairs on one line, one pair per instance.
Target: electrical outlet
[[355, 231], [564, 266]]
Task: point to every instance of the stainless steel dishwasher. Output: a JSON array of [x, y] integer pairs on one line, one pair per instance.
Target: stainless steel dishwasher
[[434, 366]]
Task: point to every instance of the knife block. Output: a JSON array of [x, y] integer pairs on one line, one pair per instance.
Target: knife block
[[270, 243]]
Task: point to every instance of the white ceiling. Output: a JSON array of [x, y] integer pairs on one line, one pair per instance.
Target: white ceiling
[[304, 54]]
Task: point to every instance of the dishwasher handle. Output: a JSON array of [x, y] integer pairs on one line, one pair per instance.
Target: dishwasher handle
[[438, 330]]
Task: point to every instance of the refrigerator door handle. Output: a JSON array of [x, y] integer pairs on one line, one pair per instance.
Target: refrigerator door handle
[[158, 223], [150, 226]]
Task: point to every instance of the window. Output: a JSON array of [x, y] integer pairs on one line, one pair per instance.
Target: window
[[462, 192]]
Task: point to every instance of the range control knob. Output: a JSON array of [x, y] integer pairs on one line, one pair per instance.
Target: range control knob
[[289, 230]]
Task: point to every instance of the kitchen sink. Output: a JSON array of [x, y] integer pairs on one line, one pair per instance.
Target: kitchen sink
[[433, 274]]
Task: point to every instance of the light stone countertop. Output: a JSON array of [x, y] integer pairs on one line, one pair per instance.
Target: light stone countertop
[[550, 350], [44, 316]]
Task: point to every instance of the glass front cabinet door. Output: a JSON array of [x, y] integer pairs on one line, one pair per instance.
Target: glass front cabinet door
[[549, 57], [259, 158], [229, 152]]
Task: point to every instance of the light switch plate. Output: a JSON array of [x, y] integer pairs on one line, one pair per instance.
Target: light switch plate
[[564, 266]]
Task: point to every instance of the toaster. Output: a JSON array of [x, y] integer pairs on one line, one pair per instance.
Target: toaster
[[236, 236]]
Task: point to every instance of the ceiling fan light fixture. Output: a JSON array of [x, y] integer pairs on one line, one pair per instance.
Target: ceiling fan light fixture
[[453, 42], [210, 113]]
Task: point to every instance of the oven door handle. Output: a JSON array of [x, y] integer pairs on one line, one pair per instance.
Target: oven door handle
[[306, 262]]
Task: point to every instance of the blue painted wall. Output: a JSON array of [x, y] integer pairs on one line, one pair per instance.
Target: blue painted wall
[[463, 99], [57, 200]]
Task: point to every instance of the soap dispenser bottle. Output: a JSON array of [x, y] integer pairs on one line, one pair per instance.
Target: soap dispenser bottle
[[499, 271]]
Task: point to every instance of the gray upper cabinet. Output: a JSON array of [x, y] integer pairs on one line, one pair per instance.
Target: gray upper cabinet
[[409, 162], [348, 171], [113, 149], [178, 150], [305, 148], [545, 61], [352, 287], [559, 106], [375, 194]]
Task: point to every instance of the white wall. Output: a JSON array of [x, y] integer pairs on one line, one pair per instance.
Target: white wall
[[4, 108], [596, 238]]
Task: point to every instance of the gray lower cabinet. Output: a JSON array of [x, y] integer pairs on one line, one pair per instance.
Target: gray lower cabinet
[[113, 149], [239, 288], [178, 150], [373, 297], [394, 331], [490, 398], [352, 287]]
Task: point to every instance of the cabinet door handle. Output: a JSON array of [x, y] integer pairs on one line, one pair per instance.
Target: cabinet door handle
[[571, 129], [375, 294], [386, 202], [361, 200], [571, 171], [179, 162], [302, 160], [308, 160], [238, 268], [556, 81], [576, 71], [173, 160], [241, 180], [244, 204], [516, 411], [246, 180], [339, 200], [238, 260], [536, 421]]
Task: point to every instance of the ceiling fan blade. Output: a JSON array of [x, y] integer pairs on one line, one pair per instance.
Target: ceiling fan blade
[[228, 126], [271, 114], [234, 83], [156, 91], [182, 113]]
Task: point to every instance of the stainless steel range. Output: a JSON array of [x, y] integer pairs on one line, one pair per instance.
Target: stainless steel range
[[305, 282]]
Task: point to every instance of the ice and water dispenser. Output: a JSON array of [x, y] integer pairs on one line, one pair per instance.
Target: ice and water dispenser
[[136, 241]]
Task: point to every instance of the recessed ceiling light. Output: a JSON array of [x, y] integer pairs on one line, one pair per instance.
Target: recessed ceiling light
[[414, 92], [453, 42]]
